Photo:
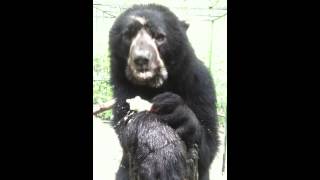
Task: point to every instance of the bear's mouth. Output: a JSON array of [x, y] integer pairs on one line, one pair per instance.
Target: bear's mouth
[[140, 74], [144, 74], [150, 77]]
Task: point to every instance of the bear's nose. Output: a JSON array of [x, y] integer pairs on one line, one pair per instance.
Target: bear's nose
[[140, 61]]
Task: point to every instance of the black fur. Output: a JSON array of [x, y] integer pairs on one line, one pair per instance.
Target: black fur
[[184, 106], [155, 150]]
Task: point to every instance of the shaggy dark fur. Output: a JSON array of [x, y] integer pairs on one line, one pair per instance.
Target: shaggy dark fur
[[184, 116]]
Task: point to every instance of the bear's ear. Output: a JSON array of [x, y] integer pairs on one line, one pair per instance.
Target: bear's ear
[[184, 25]]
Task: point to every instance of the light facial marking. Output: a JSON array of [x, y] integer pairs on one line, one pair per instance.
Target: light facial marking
[[156, 67], [141, 20]]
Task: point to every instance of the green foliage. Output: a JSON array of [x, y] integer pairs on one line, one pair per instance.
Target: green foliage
[[220, 79], [102, 91]]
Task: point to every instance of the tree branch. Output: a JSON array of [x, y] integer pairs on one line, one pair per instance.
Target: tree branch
[[99, 108]]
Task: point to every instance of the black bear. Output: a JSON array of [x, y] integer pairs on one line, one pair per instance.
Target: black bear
[[153, 150], [151, 57]]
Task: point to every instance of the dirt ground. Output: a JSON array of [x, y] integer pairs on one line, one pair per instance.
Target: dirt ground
[[107, 153]]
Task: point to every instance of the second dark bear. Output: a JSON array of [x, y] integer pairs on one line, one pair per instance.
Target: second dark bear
[[154, 152]]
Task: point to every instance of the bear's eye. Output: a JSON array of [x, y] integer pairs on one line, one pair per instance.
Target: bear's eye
[[160, 38], [126, 34]]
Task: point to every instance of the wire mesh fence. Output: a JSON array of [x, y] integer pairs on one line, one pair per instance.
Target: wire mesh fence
[[207, 34]]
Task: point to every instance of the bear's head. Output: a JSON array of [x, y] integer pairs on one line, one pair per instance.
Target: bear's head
[[147, 43]]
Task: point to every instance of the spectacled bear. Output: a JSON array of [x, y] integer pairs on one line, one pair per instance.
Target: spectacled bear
[[151, 57]]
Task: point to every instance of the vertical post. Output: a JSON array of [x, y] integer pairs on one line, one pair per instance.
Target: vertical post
[[225, 146], [211, 46]]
